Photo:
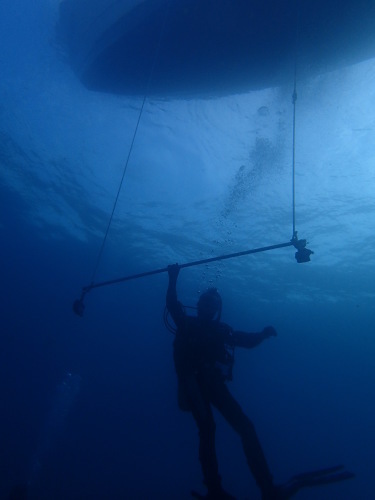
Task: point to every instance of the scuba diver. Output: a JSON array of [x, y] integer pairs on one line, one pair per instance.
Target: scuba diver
[[203, 357]]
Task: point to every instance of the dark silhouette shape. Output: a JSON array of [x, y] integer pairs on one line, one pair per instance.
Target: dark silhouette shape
[[313, 478], [19, 492], [208, 48], [203, 356], [201, 351]]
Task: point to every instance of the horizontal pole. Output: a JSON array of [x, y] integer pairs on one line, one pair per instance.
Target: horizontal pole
[[187, 264]]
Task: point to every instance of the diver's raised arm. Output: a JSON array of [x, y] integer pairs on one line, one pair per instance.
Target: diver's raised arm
[[173, 271]]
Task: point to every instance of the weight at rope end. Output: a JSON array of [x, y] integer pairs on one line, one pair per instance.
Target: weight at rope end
[[79, 307], [303, 254]]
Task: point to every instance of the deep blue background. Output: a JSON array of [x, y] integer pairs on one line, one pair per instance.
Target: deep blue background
[[202, 171]]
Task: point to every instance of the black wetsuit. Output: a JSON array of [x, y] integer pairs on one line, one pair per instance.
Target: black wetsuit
[[199, 352]]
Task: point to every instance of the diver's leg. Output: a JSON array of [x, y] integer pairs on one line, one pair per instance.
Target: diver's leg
[[222, 399], [202, 413]]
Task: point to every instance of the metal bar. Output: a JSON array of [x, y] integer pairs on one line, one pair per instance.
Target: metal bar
[[187, 264]]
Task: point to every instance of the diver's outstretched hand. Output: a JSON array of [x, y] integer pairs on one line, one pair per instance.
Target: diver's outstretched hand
[[318, 477], [269, 331]]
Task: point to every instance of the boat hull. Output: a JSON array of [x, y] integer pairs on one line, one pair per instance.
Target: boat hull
[[211, 47]]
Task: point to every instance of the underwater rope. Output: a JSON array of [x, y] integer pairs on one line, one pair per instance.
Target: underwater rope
[[147, 90], [294, 99], [118, 192]]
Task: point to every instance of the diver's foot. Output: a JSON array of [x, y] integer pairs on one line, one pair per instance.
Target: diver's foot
[[219, 494], [276, 493]]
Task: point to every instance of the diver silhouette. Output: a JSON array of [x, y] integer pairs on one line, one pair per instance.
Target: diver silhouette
[[203, 357]]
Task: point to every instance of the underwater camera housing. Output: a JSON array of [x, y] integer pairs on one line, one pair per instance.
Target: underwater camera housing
[[303, 253]]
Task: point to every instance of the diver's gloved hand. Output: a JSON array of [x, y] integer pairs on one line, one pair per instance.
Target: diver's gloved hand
[[269, 331], [173, 271]]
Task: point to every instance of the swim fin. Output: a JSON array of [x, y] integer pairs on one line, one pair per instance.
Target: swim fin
[[312, 478]]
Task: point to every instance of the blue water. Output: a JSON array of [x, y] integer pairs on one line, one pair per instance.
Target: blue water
[[89, 404]]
